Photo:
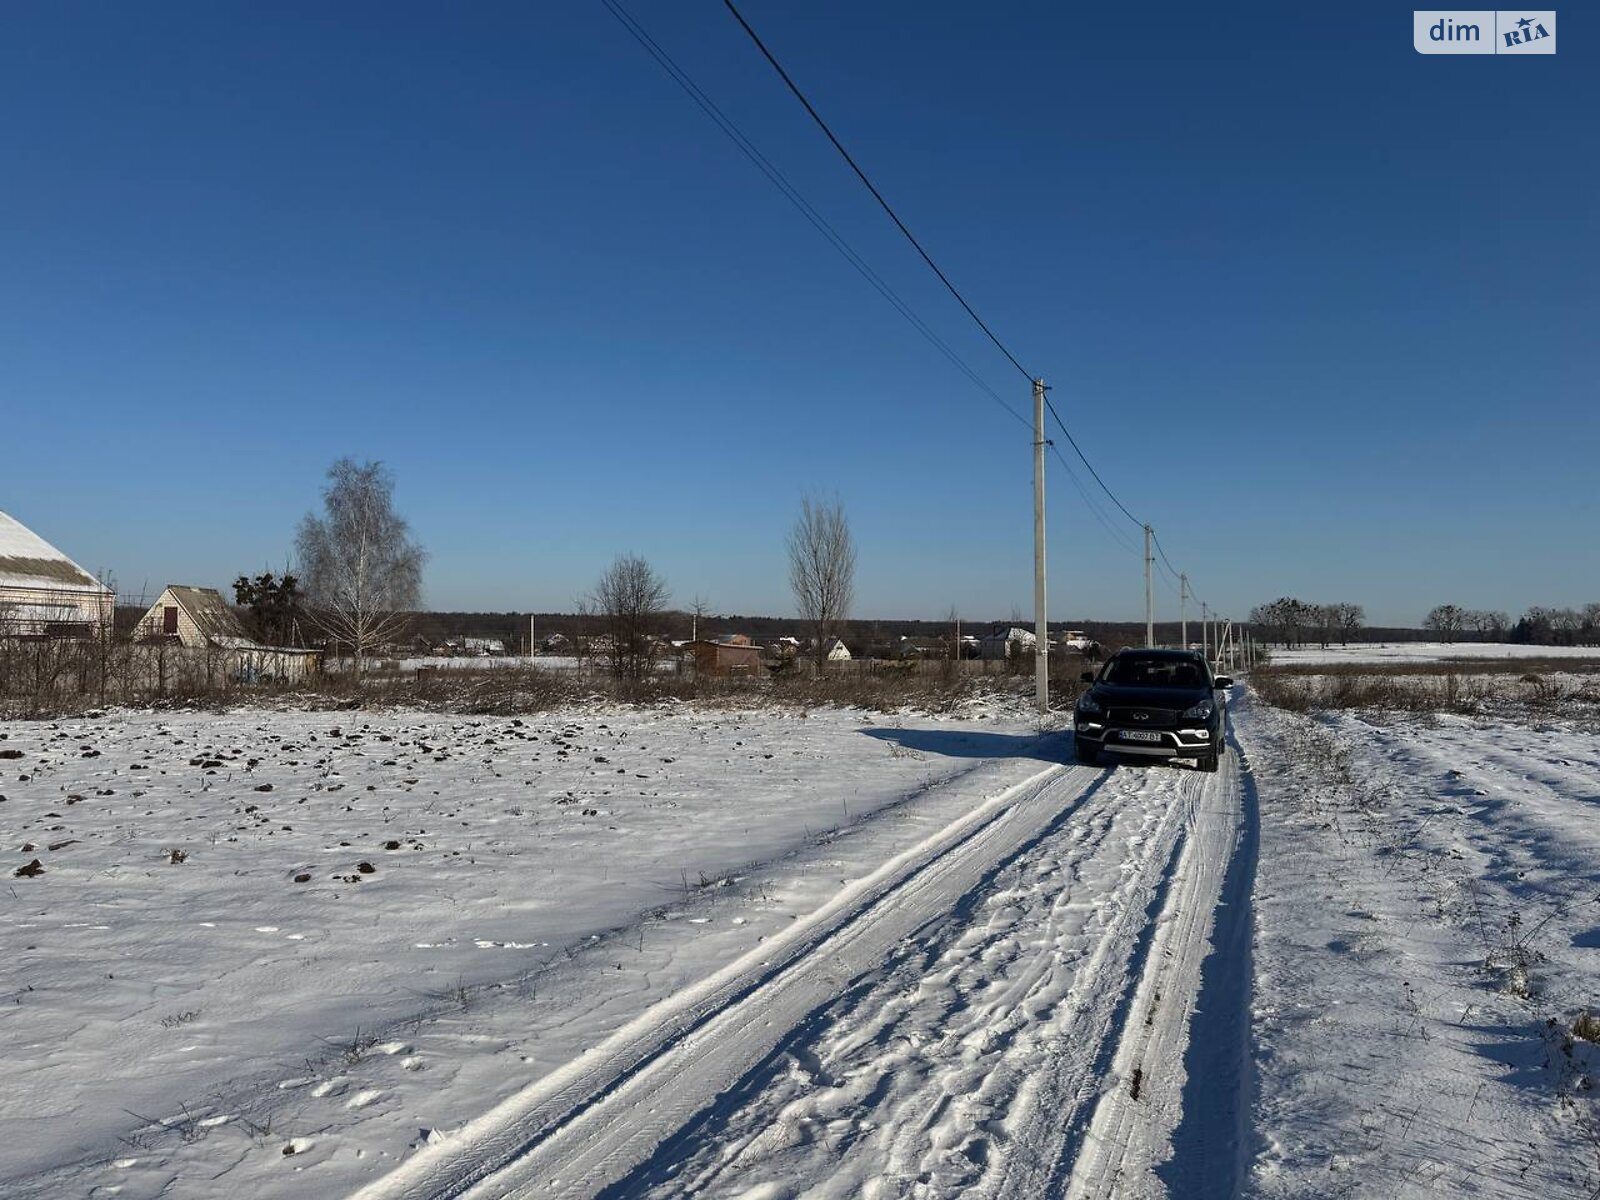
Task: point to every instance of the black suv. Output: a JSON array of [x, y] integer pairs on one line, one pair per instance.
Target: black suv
[[1157, 703]]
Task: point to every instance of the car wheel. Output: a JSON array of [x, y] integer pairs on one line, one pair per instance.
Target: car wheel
[[1208, 762], [1087, 755]]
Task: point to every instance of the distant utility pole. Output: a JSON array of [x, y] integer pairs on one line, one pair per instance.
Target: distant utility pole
[[1183, 608], [1041, 626], [1205, 632], [1149, 596]]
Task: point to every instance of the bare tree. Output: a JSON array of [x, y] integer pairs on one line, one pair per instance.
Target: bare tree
[[699, 609], [631, 600], [1566, 624], [358, 565], [1351, 618], [822, 569], [1446, 620], [1591, 624]]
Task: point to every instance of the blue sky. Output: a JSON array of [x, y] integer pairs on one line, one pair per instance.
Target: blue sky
[[1320, 309]]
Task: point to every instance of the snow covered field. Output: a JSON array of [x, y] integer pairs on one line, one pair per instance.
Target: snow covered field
[[261, 930], [1399, 653], [1428, 912], [677, 952]]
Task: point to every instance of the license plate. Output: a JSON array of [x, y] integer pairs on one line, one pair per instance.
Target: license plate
[[1140, 735]]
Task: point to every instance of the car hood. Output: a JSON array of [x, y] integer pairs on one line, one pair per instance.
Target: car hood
[[1135, 697]]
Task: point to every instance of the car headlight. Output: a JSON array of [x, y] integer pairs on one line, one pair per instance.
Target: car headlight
[[1088, 704], [1200, 711]]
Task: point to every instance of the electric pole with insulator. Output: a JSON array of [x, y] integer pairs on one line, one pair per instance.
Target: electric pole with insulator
[[1183, 609], [1149, 596], [1041, 626]]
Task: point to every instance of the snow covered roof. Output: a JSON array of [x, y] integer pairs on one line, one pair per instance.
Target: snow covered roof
[[1012, 633], [28, 561]]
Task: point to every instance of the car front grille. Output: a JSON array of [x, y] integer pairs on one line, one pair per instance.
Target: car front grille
[[1144, 718]]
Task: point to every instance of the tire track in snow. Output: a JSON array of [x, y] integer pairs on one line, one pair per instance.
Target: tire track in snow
[[902, 1085], [591, 1122], [1142, 1098]]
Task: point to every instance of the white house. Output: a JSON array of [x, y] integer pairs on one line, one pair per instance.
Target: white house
[[1003, 641], [838, 651], [199, 619], [43, 593]]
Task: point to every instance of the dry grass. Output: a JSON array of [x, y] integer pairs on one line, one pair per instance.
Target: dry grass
[[1531, 665], [1432, 688], [529, 689]]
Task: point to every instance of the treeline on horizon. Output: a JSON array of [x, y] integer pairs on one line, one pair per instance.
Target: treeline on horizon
[[1289, 621], [512, 628]]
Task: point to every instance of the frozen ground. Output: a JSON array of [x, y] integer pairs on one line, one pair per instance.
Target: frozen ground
[[1423, 652], [677, 953], [287, 954], [331, 932]]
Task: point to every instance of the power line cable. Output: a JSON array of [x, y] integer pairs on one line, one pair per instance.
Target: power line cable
[[806, 209], [1092, 505], [1073, 442], [1162, 551], [876, 194], [778, 179]]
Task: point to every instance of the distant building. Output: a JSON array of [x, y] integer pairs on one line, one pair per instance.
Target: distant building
[[910, 647], [838, 651], [785, 649], [199, 619], [712, 657], [1004, 641], [43, 593], [196, 617]]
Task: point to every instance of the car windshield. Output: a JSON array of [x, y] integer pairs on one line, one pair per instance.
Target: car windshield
[[1127, 670]]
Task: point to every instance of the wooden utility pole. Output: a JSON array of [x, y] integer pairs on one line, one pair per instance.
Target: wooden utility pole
[[1041, 625], [1183, 609]]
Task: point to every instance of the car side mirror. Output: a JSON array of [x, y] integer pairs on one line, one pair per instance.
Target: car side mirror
[[1087, 677], [1223, 681]]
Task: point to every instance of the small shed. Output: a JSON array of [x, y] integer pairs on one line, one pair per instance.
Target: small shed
[[723, 658], [43, 593]]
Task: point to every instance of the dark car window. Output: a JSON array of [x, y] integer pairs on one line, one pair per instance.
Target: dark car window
[[1133, 671]]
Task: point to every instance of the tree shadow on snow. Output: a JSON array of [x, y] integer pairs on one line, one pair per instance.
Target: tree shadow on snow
[[1530, 1055], [962, 743]]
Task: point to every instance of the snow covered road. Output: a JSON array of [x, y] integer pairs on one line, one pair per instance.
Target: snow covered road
[[1001, 1010]]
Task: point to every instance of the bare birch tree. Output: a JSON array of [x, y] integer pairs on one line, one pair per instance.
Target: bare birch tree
[[822, 569], [360, 570], [631, 600]]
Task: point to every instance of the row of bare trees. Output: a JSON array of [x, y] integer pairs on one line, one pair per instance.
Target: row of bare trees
[[630, 600], [1292, 622], [1450, 621], [1538, 626], [360, 574]]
